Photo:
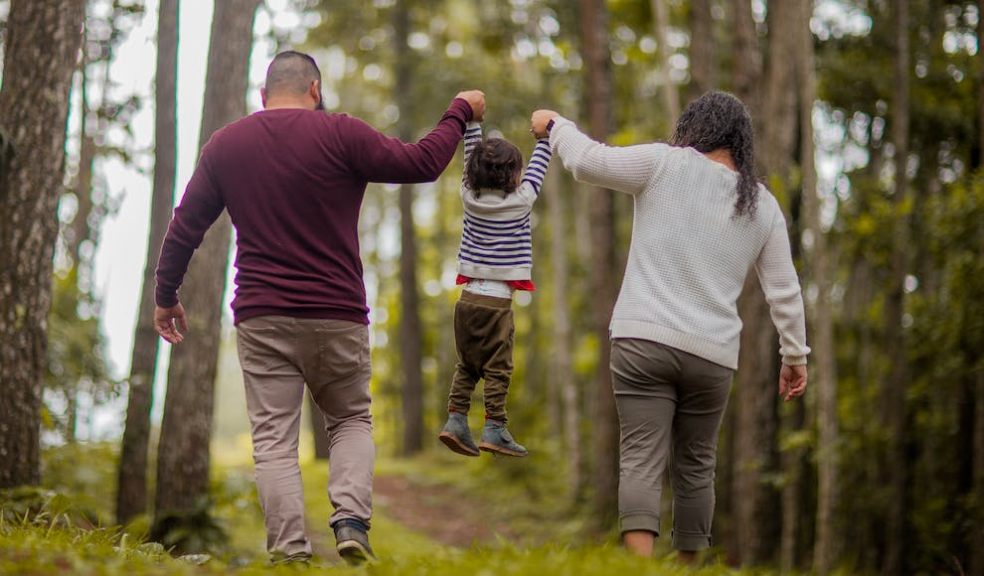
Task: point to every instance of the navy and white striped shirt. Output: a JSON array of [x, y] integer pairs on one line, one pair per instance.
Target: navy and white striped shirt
[[497, 237]]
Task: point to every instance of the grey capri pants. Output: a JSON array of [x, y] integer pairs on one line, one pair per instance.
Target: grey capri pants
[[669, 402]]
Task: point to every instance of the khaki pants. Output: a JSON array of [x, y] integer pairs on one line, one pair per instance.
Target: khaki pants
[[483, 338], [278, 356], [668, 401]]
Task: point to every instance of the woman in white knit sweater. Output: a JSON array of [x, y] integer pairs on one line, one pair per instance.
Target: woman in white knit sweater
[[701, 223]]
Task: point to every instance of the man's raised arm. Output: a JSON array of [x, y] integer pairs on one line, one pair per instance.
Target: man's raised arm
[[379, 158]]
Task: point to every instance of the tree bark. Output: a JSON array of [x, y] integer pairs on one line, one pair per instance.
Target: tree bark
[[410, 336], [702, 54], [894, 388], [976, 563], [42, 47], [318, 431], [825, 550], [562, 367], [747, 71], [131, 496], [598, 96], [183, 453], [755, 420], [661, 24]]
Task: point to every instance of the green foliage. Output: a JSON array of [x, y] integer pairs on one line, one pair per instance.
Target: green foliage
[[86, 471], [76, 357]]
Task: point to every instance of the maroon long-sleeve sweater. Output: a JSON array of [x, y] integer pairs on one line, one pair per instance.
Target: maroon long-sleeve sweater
[[293, 182]]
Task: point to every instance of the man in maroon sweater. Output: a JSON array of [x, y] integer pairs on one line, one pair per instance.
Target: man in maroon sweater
[[293, 179]]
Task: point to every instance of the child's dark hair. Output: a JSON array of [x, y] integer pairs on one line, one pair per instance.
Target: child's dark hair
[[494, 163], [720, 120]]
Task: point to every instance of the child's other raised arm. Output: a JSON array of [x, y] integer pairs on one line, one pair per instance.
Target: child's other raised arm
[[537, 168]]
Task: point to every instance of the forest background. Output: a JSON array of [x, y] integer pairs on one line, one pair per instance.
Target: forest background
[[869, 131]]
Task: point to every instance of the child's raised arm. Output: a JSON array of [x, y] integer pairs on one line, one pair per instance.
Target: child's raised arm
[[537, 168], [473, 135]]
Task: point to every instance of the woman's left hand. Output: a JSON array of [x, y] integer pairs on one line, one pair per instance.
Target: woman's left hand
[[792, 381]]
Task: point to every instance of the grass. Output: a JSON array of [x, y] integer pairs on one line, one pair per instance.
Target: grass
[[58, 538]]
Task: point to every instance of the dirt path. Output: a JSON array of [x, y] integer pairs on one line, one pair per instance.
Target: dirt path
[[441, 513]]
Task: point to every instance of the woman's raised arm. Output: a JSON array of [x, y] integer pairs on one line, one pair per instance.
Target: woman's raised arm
[[626, 169]]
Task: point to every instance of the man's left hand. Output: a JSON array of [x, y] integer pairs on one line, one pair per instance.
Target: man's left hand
[[168, 320]]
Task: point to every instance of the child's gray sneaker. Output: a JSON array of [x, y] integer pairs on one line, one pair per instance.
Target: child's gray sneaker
[[457, 436], [352, 542], [498, 440]]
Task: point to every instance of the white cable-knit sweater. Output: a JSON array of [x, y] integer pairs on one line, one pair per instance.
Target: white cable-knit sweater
[[689, 257]]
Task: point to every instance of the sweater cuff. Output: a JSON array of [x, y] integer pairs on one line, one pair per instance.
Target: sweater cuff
[[461, 106], [559, 123], [794, 360], [165, 300]]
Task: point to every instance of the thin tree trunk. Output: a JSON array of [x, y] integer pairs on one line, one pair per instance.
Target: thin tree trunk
[[318, 431], [702, 53], [747, 71], [755, 391], [131, 495], [562, 369], [183, 454], [895, 342], [598, 92], [410, 336], [976, 563], [825, 375], [42, 47], [661, 24], [79, 228]]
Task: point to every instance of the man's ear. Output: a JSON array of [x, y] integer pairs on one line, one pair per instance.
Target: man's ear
[[314, 91], [263, 96]]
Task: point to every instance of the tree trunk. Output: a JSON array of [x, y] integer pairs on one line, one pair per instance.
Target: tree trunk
[[410, 336], [747, 71], [755, 392], [318, 431], [562, 367], [79, 228], [183, 454], [895, 342], [976, 563], [131, 496], [598, 96], [671, 98], [702, 54], [825, 550], [42, 47]]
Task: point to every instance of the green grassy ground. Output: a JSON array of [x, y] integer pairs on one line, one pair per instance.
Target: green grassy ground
[[57, 538]]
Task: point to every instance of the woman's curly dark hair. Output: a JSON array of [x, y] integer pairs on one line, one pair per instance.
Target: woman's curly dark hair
[[494, 163], [719, 120]]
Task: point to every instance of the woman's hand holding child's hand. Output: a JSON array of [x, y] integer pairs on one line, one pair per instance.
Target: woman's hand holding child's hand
[[539, 121]]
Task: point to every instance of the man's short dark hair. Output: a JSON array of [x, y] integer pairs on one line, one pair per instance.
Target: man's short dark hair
[[291, 72]]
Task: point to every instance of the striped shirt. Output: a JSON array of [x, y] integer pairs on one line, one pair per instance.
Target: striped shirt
[[497, 237]]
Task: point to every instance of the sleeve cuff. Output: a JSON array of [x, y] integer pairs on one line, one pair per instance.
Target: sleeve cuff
[[559, 122], [794, 360], [464, 107], [166, 300]]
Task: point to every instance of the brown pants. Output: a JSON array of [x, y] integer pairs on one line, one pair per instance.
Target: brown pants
[[668, 401], [483, 338], [278, 356]]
